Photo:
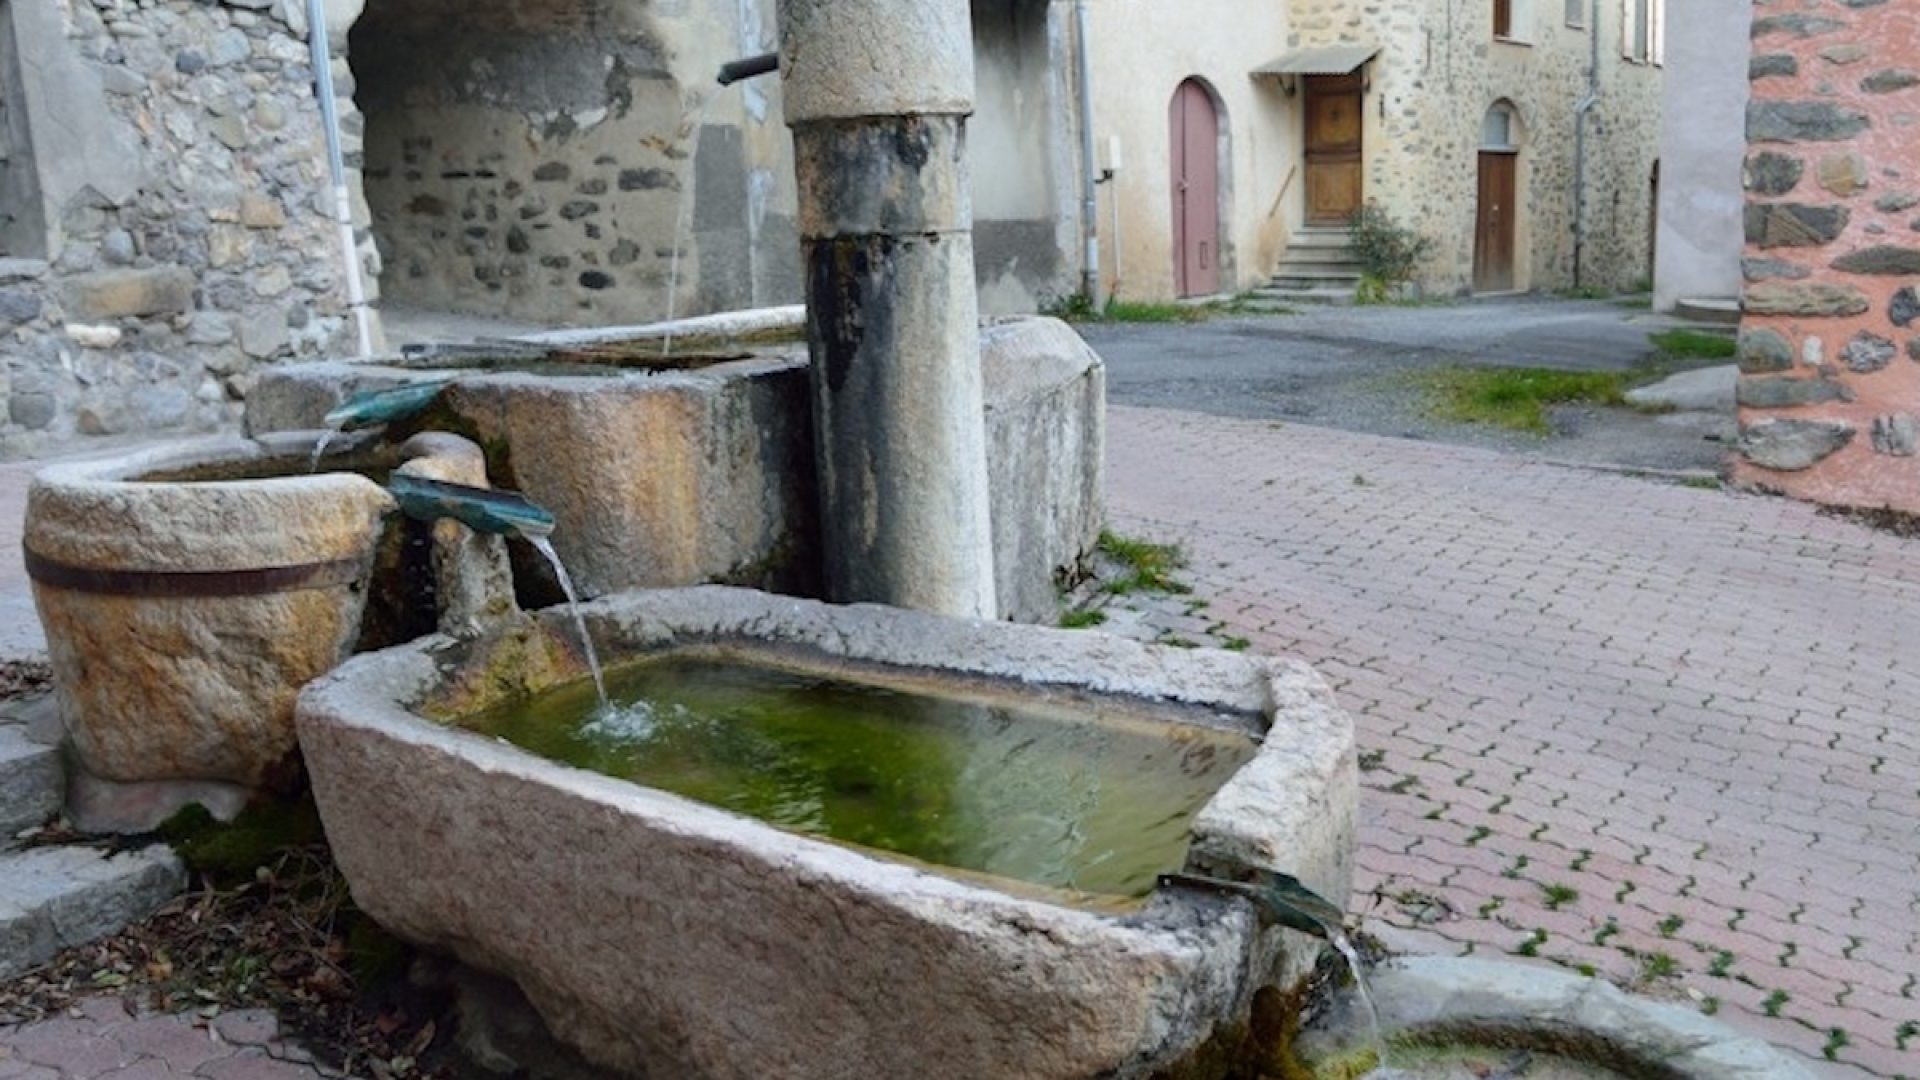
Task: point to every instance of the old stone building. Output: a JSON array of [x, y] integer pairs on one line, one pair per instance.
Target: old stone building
[[1830, 390]]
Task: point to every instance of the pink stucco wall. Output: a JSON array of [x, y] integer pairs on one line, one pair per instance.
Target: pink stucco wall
[[1830, 345]]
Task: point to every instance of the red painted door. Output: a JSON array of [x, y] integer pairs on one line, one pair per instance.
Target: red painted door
[[1196, 191]]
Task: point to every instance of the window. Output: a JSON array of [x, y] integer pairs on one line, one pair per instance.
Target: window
[[1643, 35], [1577, 13], [1497, 130], [1512, 20]]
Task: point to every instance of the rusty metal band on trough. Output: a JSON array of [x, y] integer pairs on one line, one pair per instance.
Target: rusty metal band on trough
[[261, 581]]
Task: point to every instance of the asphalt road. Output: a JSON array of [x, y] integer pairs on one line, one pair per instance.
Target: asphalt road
[[1356, 370]]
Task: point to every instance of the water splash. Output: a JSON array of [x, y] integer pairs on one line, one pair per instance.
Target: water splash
[[545, 548]]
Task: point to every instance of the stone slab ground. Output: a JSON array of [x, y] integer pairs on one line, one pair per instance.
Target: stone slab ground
[[1668, 734]]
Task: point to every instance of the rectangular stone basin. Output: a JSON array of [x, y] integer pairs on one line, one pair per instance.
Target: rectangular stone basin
[[864, 884]]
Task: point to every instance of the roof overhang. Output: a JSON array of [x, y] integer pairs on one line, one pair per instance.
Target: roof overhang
[[1320, 60]]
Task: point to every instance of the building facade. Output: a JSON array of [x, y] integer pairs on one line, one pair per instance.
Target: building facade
[[1702, 145]]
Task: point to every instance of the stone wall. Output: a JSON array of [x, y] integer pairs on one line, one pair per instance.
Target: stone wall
[[1829, 352], [1440, 70], [166, 229], [560, 162]]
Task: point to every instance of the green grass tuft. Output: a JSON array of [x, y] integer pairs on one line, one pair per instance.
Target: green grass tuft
[[1693, 345], [1082, 620], [1148, 567], [1518, 398], [1559, 896]]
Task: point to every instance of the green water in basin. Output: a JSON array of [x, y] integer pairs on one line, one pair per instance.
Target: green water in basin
[[1090, 800]]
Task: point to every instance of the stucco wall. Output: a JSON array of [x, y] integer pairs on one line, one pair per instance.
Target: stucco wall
[[1701, 147], [1439, 71], [1023, 141], [1142, 50], [1828, 348]]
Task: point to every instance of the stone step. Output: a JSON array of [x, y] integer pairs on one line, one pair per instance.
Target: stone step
[[1714, 311], [1321, 241], [1337, 267], [1292, 278], [1327, 297], [31, 781], [54, 898]]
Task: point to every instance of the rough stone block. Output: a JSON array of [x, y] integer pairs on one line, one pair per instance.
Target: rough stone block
[[56, 898], [113, 294], [1896, 435], [1809, 298], [1762, 350], [1884, 260], [1803, 121], [31, 781], [1793, 445], [1787, 392], [1775, 225]]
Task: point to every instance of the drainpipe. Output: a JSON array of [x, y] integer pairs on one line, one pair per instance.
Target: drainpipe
[[877, 93], [337, 166], [1580, 113], [1089, 169]]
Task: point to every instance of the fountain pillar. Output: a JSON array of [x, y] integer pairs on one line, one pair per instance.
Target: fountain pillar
[[878, 93]]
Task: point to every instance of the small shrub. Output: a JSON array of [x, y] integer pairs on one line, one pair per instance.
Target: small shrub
[[1390, 253]]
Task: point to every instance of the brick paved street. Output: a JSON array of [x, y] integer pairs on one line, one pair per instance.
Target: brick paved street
[[1666, 733], [104, 1039]]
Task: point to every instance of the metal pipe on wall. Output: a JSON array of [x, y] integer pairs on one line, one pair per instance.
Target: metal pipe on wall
[[1089, 168], [1581, 111], [322, 55]]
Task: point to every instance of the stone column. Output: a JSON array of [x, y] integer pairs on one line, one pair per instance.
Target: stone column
[[878, 93]]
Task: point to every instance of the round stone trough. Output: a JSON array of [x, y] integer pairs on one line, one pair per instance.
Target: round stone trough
[[664, 936], [190, 590]]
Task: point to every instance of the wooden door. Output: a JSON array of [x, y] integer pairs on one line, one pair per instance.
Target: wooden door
[[1196, 191], [1334, 133], [1493, 233]]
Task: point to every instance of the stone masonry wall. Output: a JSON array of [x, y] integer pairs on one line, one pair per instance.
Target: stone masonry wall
[[1830, 355], [180, 235], [557, 161], [1439, 71]]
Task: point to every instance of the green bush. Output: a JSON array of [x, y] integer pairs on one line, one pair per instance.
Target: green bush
[[1389, 252]]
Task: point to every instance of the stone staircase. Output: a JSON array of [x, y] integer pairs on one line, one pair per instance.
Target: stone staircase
[[1318, 268], [55, 897]]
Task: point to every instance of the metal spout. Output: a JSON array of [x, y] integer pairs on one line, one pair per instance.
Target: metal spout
[[372, 408], [1278, 898], [751, 67], [497, 513]]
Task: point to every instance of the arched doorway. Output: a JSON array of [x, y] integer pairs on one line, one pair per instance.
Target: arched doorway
[[1497, 217], [1195, 126]]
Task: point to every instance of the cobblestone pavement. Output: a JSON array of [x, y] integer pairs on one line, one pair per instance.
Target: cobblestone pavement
[[1668, 734], [105, 1040]]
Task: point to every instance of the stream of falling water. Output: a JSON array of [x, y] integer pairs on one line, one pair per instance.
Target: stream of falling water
[[684, 135], [545, 548], [320, 448], [1338, 938]]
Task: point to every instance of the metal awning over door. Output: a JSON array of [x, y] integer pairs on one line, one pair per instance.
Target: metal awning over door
[[1320, 60]]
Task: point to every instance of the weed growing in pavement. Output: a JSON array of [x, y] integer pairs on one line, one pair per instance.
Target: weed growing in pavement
[[1671, 925], [1775, 1001], [1657, 965], [1837, 1040], [1722, 963], [1236, 644], [1082, 620], [1146, 566], [1710, 1005], [1905, 1033], [1373, 760], [1559, 896], [1531, 946]]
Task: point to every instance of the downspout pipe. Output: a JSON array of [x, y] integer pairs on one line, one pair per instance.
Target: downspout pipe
[[1089, 168], [337, 167], [1581, 112]]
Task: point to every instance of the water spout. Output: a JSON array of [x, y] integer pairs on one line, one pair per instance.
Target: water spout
[[750, 68], [375, 407], [1279, 898], [497, 513]]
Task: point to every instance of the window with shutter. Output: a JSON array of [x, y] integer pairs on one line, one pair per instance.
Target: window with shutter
[[1502, 18]]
